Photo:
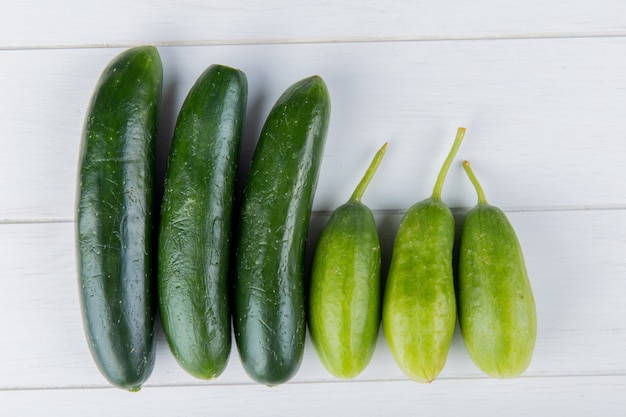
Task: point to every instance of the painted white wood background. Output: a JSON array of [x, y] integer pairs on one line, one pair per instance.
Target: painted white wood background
[[540, 86]]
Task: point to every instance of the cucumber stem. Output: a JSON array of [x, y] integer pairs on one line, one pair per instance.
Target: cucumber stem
[[460, 133], [479, 190], [369, 174]]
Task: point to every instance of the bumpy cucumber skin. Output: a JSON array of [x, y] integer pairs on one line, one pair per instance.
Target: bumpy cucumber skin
[[345, 294], [497, 313], [419, 306], [114, 217], [269, 309], [196, 215]]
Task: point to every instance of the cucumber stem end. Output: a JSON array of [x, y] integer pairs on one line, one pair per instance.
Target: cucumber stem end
[[460, 133], [479, 189], [369, 174]]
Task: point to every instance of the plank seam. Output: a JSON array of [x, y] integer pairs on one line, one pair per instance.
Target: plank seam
[[344, 40], [384, 212], [308, 382]]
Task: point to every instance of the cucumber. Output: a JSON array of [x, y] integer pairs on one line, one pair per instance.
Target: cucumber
[[497, 313], [345, 287], [114, 217], [419, 307], [195, 226], [269, 309]]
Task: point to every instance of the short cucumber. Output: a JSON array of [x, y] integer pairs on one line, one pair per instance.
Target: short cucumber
[[195, 226], [269, 310], [419, 308], [497, 313], [345, 287], [114, 216]]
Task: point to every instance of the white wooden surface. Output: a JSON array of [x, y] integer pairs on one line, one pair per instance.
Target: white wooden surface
[[541, 87]]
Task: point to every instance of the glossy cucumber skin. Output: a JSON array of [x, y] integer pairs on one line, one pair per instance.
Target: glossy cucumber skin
[[419, 306], [196, 216], [496, 305], [269, 310], [345, 291], [114, 217]]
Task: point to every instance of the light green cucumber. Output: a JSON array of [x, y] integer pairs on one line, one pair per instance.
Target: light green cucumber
[[497, 313], [345, 287], [419, 308]]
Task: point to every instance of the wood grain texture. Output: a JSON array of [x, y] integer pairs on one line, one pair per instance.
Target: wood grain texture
[[478, 398], [540, 86], [538, 116], [75, 23], [581, 331]]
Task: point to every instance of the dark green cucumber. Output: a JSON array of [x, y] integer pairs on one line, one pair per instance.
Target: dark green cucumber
[[345, 288], [419, 307], [269, 310], [195, 228], [114, 216], [496, 305]]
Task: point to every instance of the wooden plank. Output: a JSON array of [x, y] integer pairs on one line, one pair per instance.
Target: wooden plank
[[551, 139], [575, 260], [576, 396], [72, 23]]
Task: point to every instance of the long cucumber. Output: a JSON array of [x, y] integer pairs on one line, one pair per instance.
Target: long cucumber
[[114, 217], [269, 305], [195, 228]]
